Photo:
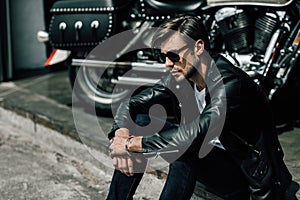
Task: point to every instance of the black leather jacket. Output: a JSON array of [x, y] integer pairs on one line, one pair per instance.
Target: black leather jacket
[[237, 111]]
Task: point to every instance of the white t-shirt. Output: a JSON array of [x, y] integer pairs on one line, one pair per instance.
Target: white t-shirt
[[200, 98]]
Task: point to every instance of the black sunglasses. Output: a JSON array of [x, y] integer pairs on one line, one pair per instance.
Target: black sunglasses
[[172, 55]]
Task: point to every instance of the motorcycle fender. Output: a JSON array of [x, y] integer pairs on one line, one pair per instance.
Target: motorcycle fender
[[57, 56], [271, 3]]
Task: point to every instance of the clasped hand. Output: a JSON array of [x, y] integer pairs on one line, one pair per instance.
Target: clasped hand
[[126, 162]]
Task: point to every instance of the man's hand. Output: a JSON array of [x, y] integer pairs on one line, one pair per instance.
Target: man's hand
[[130, 164], [117, 143], [117, 146], [126, 162], [122, 132]]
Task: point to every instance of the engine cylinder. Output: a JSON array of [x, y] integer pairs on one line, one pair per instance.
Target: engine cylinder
[[264, 28], [235, 28]]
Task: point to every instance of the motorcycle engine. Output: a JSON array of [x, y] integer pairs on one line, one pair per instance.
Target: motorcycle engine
[[264, 29], [244, 33], [234, 25]]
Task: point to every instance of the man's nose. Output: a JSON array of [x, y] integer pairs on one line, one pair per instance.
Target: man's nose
[[169, 63]]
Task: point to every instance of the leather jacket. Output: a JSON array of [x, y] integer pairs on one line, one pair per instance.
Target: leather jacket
[[237, 112]]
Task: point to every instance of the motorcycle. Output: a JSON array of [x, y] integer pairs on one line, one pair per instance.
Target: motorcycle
[[261, 37]]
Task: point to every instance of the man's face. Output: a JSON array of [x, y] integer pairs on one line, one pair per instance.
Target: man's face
[[181, 69]]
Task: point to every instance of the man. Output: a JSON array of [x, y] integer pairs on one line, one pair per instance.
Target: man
[[222, 131]]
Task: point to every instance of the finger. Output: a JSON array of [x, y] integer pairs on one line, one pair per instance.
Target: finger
[[130, 166], [110, 152], [123, 167], [115, 162], [111, 140], [119, 163], [111, 148]]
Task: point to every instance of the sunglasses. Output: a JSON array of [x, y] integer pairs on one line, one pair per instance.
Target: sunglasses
[[172, 55]]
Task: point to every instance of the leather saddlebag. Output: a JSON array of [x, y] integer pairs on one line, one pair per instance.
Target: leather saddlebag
[[84, 23]]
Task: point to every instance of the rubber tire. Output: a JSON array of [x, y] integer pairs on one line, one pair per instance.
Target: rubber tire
[[83, 92]]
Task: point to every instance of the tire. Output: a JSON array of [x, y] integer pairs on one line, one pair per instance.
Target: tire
[[94, 92]]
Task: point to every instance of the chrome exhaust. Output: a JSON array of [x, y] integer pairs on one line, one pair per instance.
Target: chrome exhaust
[[136, 66], [135, 81]]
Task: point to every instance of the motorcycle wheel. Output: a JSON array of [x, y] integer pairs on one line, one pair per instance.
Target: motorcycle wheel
[[96, 92]]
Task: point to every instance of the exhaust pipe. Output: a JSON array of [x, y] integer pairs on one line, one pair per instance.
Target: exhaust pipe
[[135, 81], [136, 66]]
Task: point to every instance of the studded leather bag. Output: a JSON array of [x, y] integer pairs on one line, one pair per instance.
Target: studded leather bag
[[83, 24]]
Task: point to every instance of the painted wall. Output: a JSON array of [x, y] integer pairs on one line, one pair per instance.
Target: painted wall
[[26, 19]]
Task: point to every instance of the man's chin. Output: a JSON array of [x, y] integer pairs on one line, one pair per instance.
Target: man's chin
[[176, 76], [179, 78]]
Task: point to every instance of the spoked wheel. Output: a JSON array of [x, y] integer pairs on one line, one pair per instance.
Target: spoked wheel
[[94, 88]]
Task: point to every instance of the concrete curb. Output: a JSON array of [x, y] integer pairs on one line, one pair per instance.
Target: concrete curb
[[33, 123], [60, 119], [81, 157]]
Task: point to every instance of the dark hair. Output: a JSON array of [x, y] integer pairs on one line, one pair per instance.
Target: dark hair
[[189, 26]]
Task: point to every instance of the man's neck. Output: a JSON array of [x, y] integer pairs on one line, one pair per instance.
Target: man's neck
[[199, 80]]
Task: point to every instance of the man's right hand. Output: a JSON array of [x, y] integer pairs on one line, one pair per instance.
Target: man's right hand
[[124, 164], [129, 165]]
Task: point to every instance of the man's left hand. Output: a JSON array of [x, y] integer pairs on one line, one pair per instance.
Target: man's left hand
[[117, 146]]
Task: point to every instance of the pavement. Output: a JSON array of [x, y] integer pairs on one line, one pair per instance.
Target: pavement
[[50, 148]]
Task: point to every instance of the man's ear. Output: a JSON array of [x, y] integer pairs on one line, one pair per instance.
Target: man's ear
[[199, 47]]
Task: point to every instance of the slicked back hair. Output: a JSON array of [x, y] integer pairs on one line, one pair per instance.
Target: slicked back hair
[[190, 27]]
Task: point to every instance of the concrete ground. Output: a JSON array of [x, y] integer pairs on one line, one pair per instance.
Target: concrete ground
[[41, 153], [38, 163]]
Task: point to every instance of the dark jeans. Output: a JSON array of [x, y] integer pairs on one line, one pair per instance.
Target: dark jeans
[[217, 172], [180, 183], [122, 186], [181, 180]]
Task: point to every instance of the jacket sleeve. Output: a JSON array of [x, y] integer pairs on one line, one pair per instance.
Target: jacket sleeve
[[139, 104]]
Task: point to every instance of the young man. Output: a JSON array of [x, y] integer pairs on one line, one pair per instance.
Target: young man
[[224, 134]]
